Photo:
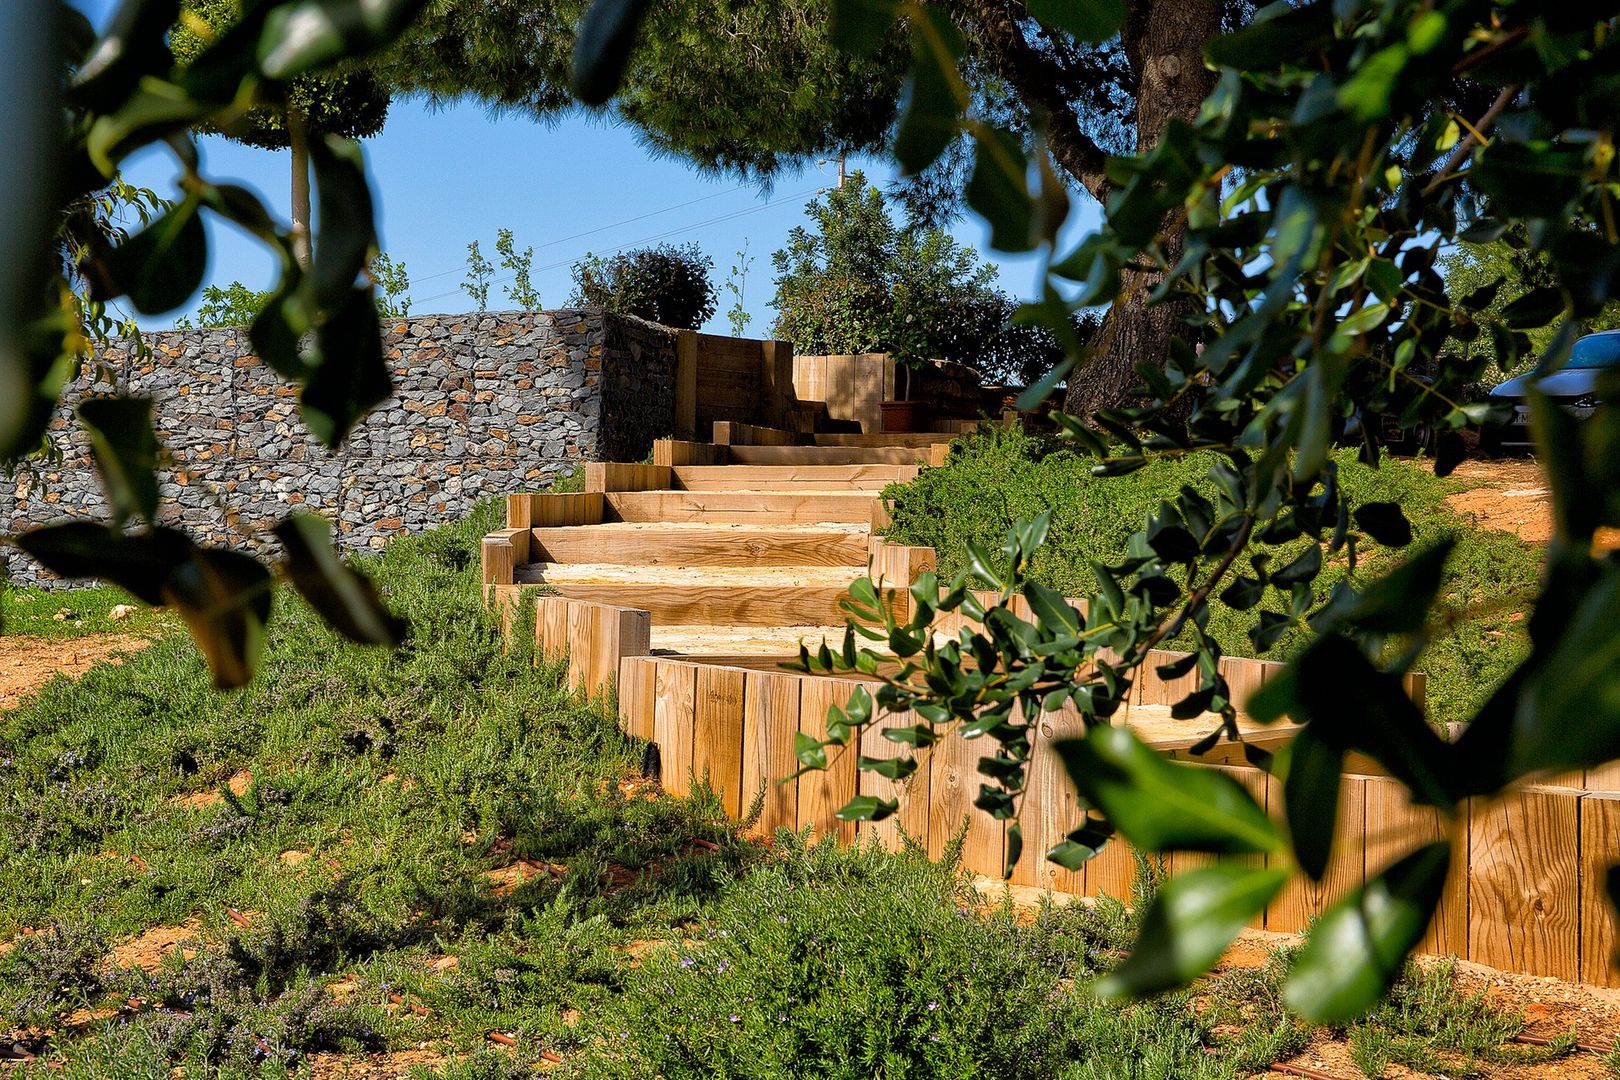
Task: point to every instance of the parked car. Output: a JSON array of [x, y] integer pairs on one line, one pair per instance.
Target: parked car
[[1574, 386]]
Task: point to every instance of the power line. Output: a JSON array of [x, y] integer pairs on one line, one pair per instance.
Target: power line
[[733, 215], [614, 225]]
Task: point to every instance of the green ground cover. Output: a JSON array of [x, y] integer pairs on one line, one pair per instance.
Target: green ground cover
[[1000, 475], [329, 835]]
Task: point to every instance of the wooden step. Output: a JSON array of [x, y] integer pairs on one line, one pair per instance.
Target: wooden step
[[698, 543], [914, 438], [829, 455], [759, 507], [722, 596], [784, 477]]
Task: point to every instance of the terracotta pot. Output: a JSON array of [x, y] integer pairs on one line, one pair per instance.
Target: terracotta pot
[[904, 416]]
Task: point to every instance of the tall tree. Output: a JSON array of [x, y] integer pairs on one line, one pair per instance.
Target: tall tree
[[349, 102]]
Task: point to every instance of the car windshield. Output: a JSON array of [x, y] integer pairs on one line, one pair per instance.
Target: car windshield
[[1596, 351]]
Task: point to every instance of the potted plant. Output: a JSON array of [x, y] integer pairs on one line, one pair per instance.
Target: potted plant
[[904, 413]]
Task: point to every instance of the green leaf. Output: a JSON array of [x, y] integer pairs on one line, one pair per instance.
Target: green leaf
[[347, 234], [1243, 593], [1311, 799], [1536, 308], [1397, 602], [160, 267], [602, 47], [224, 598], [1301, 570], [1083, 844], [126, 451], [934, 94], [867, 808], [345, 599], [999, 191], [301, 37], [1161, 805], [1189, 924], [1568, 714], [810, 752], [348, 376], [1384, 522], [1086, 20], [1057, 616], [138, 563], [859, 26], [1015, 848], [1355, 952], [1279, 33], [132, 46]]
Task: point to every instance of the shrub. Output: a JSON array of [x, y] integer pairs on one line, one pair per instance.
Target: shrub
[[666, 284], [1000, 475]]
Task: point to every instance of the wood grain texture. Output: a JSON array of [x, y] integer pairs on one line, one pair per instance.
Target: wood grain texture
[[735, 433], [551, 627], [864, 477], [686, 384], [823, 793], [771, 701], [638, 678], [1394, 828], [1524, 889], [1302, 900], [1051, 807], [1600, 849], [689, 545], [742, 605], [717, 739], [672, 452], [828, 455], [954, 786], [774, 508], [520, 510], [602, 476], [1603, 778], [675, 691], [572, 508], [497, 560], [911, 793]]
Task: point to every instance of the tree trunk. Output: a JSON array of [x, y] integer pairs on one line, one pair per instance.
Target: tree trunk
[[298, 140], [1164, 43]]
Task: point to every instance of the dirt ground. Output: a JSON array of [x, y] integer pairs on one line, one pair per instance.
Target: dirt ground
[[1512, 495], [28, 663]]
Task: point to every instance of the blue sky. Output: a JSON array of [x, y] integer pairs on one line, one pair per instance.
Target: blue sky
[[444, 177]]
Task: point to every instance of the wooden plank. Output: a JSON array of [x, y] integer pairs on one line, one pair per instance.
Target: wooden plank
[[954, 786], [572, 508], [520, 511], [498, 558], [827, 455], [776, 367], [770, 722], [1302, 899], [1051, 808], [810, 378], [674, 700], [689, 546], [717, 739], [912, 793], [866, 391], [618, 476], [1603, 778], [1524, 889], [551, 627], [917, 440], [583, 621], [1244, 676], [1153, 689], [1394, 827], [742, 605], [822, 794], [865, 477], [1600, 848], [737, 433], [671, 452], [686, 372], [774, 508], [638, 677]]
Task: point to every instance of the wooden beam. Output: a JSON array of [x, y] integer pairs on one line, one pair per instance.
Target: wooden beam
[[771, 702], [823, 793], [571, 508], [674, 701], [498, 556], [1524, 899], [913, 793], [637, 685], [717, 740], [1302, 899], [1051, 807], [1600, 847], [686, 373], [603, 476], [774, 508], [520, 510], [688, 545], [737, 433], [673, 452]]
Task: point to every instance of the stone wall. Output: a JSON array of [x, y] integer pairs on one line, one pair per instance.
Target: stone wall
[[484, 404]]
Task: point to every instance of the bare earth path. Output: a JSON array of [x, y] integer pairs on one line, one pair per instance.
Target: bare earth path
[[28, 663]]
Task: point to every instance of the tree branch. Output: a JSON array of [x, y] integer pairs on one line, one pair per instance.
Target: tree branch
[[1038, 82]]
